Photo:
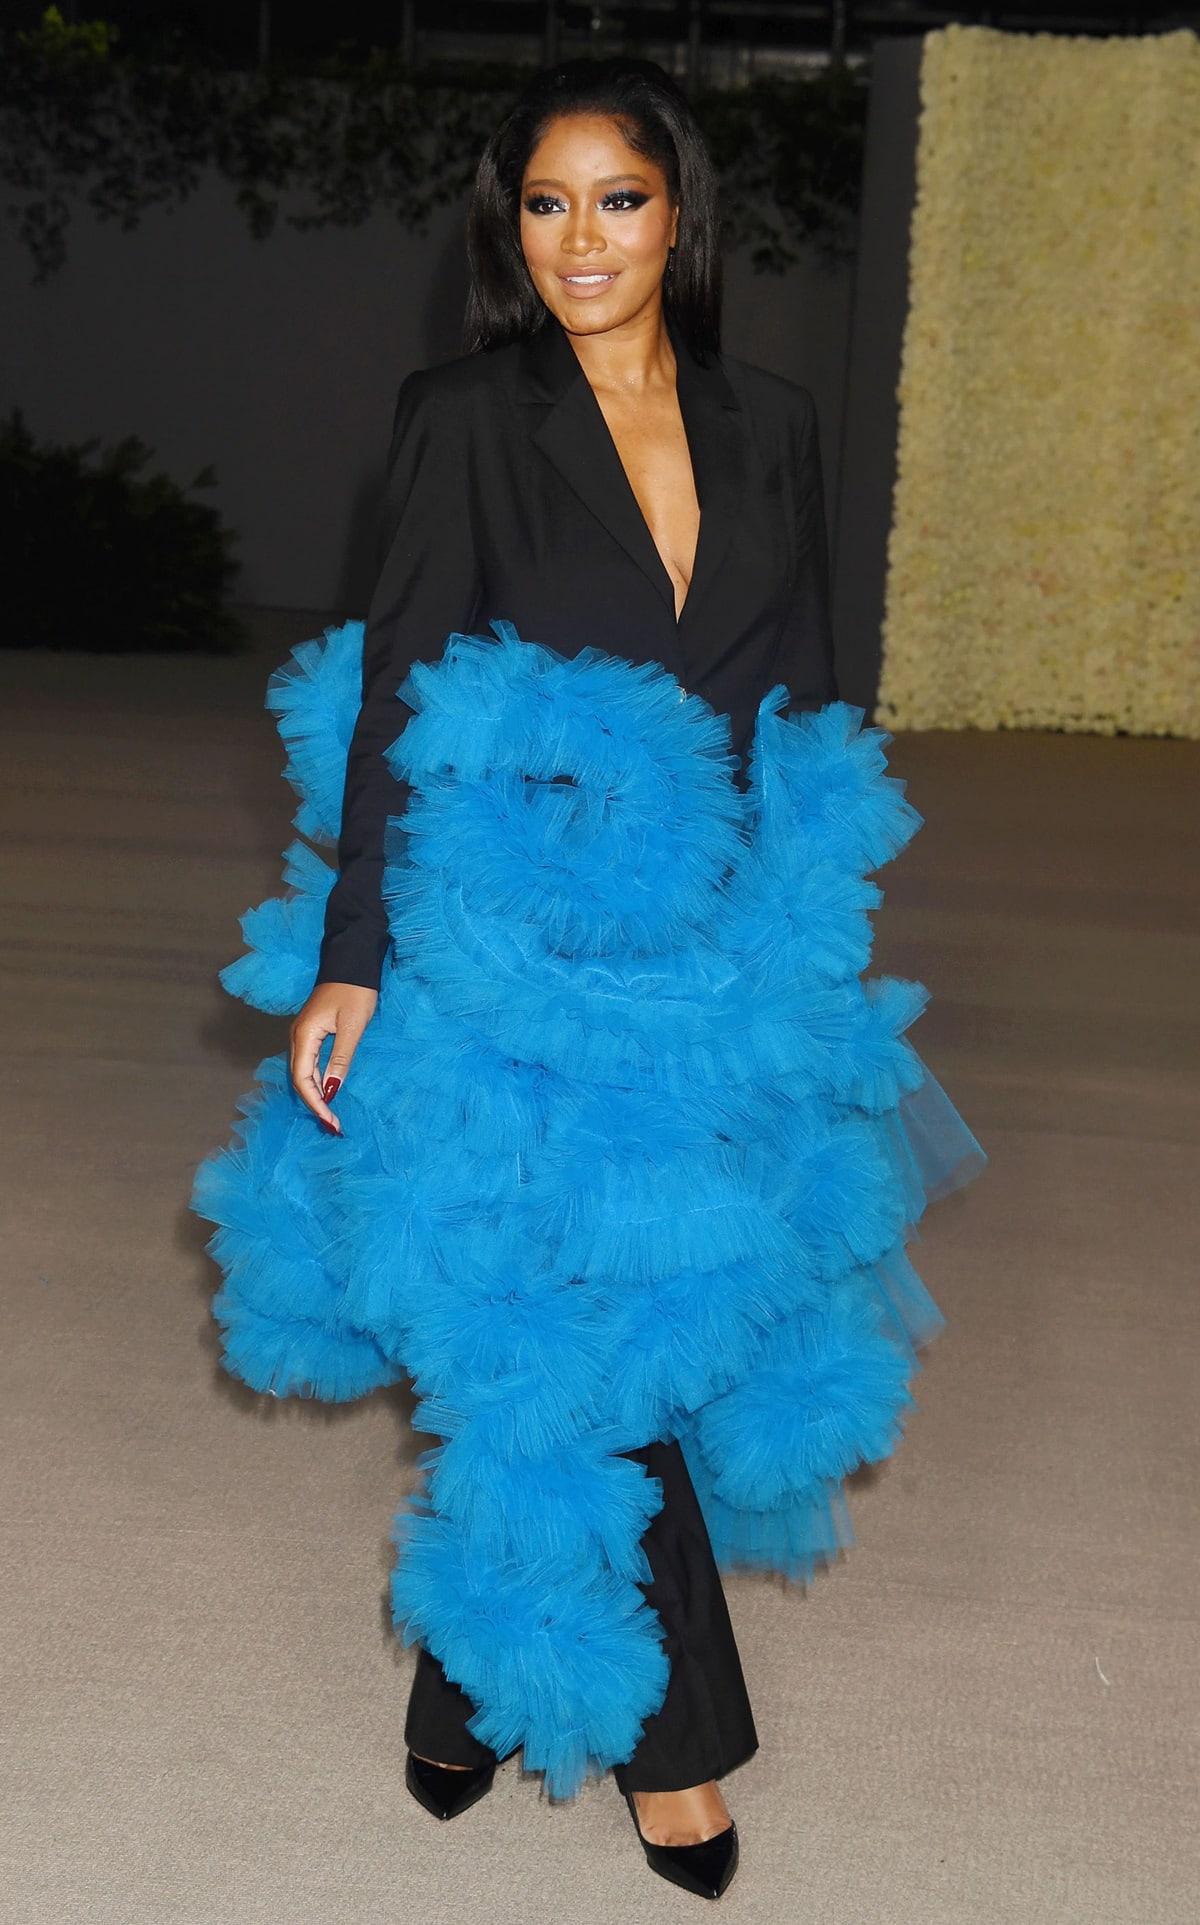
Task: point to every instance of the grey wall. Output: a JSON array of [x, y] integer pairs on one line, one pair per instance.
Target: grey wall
[[278, 362]]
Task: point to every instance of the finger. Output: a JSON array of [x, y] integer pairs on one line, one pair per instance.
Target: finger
[[346, 1041], [307, 1037]]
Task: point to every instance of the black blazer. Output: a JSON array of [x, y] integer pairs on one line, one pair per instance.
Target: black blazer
[[506, 498]]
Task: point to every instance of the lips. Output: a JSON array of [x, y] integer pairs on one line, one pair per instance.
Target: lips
[[585, 284]]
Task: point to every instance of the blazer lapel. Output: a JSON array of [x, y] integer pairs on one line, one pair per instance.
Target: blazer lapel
[[712, 420], [573, 435]]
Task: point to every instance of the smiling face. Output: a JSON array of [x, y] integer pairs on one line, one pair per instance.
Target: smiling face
[[597, 224]]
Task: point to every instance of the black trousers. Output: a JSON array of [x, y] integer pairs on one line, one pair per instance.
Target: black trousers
[[704, 1726]]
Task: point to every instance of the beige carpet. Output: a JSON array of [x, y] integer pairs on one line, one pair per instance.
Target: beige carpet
[[988, 1712]]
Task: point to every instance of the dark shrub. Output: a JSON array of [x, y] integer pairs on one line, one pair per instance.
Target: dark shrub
[[100, 555]]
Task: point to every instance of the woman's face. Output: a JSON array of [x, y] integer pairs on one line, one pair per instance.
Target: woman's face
[[596, 225]]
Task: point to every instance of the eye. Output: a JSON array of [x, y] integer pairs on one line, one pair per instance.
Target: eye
[[543, 204], [623, 199]]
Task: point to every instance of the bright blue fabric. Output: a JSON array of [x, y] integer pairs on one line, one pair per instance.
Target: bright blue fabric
[[630, 1151]]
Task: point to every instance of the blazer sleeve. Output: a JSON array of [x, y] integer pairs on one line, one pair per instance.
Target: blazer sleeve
[[806, 645], [429, 587]]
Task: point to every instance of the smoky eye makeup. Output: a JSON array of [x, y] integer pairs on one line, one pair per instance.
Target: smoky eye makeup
[[618, 200]]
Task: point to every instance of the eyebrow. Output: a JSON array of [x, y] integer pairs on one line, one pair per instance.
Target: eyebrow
[[603, 180]]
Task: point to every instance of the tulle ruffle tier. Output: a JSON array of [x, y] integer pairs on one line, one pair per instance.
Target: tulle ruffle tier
[[631, 1150]]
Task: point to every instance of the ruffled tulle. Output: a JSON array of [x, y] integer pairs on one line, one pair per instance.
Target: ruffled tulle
[[631, 1151]]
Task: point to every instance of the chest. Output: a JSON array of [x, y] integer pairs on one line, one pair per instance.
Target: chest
[[568, 535], [652, 447]]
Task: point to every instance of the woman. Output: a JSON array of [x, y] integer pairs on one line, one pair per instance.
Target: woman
[[607, 1172]]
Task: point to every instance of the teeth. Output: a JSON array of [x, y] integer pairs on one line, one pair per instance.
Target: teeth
[[587, 280]]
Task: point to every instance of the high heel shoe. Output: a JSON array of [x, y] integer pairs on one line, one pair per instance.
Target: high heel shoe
[[445, 1792], [706, 1869]]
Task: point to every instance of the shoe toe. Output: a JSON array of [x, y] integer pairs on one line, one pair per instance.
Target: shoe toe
[[705, 1869], [442, 1791]]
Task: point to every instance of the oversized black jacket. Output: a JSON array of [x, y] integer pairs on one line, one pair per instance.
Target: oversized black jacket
[[506, 499]]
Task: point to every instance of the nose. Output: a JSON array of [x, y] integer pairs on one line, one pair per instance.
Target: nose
[[582, 234]]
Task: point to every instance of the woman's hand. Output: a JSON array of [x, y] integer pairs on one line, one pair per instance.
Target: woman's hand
[[340, 1010]]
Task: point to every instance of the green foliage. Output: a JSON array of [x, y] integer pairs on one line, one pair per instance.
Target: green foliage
[[55, 39], [80, 124], [101, 556], [790, 155]]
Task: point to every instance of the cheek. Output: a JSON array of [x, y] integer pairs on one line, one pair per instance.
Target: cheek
[[649, 241], [534, 241]]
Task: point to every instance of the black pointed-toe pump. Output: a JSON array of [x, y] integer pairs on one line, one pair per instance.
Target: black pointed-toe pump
[[706, 1869], [444, 1792]]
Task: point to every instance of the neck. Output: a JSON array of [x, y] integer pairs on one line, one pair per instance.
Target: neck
[[631, 358]]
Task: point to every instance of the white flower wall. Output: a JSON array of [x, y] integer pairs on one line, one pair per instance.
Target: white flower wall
[[1044, 560]]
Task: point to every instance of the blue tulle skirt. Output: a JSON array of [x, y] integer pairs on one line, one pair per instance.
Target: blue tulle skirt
[[632, 1150]]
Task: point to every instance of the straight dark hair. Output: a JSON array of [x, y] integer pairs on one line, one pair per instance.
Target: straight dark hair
[[503, 305]]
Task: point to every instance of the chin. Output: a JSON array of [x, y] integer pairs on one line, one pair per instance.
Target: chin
[[587, 323], [595, 317]]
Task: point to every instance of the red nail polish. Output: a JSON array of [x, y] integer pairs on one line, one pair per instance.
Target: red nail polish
[[328, 1127], [332, 1086]]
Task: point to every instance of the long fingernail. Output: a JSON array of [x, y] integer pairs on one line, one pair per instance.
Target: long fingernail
[[328, 1127], [332, 1085]]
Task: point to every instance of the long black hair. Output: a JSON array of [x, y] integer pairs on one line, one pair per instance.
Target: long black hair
[[652, 111]]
